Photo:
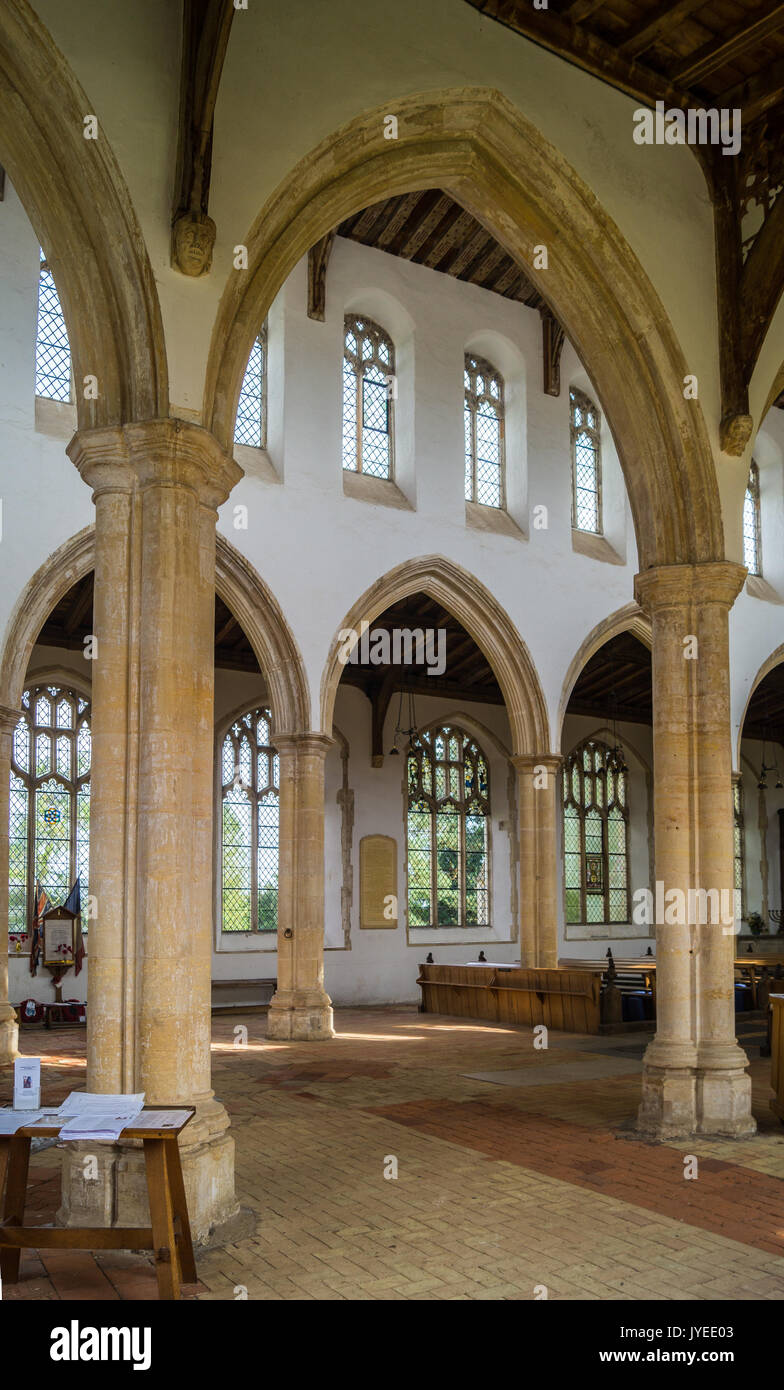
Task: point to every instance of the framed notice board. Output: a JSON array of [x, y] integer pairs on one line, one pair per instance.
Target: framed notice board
[[378, 882], [59, 937]]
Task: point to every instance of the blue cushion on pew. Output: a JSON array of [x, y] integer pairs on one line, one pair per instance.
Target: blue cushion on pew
[[633, 1007], [742, 996]]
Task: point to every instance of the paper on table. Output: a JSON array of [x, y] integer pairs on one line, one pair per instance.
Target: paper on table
[[98, 1124], [160, 1119], [99, 1103], [12, 1120]]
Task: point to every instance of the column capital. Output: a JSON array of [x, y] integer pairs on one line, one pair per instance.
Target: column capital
[[148, 453], [528, 762], [9, 718], [310, 743], [679, 586]]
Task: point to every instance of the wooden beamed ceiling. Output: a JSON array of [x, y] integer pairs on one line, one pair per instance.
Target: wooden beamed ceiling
[[616, 682], [698, 54], [617, 679], [430, 228], [71, 621]]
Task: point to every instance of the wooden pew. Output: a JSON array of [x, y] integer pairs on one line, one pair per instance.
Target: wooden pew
[[777, 1054], [561, 999]]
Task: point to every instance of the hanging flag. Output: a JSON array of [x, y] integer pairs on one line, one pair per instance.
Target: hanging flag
[[73, 903], [41, 904]]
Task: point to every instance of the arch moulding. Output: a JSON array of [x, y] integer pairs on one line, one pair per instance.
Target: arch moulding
[[236, 582], [482, 617], [630, 618], [769, 664], [75, 195], [478, 147]]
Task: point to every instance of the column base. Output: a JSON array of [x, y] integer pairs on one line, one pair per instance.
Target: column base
[[668, 1109], [106, 1185], [9, 1039], [300, 1016], [681, 1097], [724, 1103]]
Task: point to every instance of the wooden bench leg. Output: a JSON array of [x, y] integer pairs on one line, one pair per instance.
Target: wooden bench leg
[[162, 1219], [177, 1188], [18, 1160]]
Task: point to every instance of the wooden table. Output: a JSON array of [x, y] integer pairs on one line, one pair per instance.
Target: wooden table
[[169, 1235]]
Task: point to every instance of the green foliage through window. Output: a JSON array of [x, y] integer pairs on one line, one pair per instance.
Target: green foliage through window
[[596, 828], [448, 860], [250, 826], [49, 813]]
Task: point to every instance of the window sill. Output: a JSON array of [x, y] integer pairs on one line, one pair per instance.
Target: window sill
[[496, 519], [595, 547], [757, 587], [380, 492], [55, 418], [606, 931], [239, 943], [256, 463]]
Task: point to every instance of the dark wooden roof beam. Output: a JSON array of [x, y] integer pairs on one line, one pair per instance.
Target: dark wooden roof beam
[[721, 51], [656, 25]]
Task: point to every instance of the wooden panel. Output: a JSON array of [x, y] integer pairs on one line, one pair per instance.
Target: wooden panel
[[776, 1055], [378, 881], [564, 1000]]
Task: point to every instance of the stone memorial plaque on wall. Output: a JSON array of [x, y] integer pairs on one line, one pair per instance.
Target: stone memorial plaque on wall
[[378, 881]]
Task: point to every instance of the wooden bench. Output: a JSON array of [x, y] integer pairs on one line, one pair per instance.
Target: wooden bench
[[242, 996], [561, 999]]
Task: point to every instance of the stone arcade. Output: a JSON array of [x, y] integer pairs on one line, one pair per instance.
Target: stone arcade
[[389, 561]]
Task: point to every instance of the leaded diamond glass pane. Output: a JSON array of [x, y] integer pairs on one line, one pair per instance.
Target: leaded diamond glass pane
[[483, 412], [368, 370], [250, 425], [585, 437], [21, 752], [52, 349]]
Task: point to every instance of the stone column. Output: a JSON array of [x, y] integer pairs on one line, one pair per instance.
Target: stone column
[[300, 1007], [156, 486], [9, 1028], [694, 1078], [537, 799]]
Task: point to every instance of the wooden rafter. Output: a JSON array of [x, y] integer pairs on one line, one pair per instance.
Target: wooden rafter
[[656, 25], [725, 49], [688, 55], [552, 346], [206, 27], [318, 260]]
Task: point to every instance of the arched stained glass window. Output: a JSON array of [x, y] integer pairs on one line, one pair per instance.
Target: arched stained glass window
[[448, 853], [596, 835], [752, 548], [250, 826], [484, 432], [585, 431], [49, 821], [368, 378], [52, 349], [250, 427]]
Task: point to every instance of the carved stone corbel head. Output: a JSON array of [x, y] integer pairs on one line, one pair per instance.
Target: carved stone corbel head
[[193, 238]]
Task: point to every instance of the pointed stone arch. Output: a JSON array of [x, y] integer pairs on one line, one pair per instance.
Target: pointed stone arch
[[477, 146], [237, 583], [261, 618], [769, 664], [630, 618], [482, 617], [77, 200]]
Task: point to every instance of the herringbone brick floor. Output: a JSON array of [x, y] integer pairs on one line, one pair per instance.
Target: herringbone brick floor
[[500, 1189]]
